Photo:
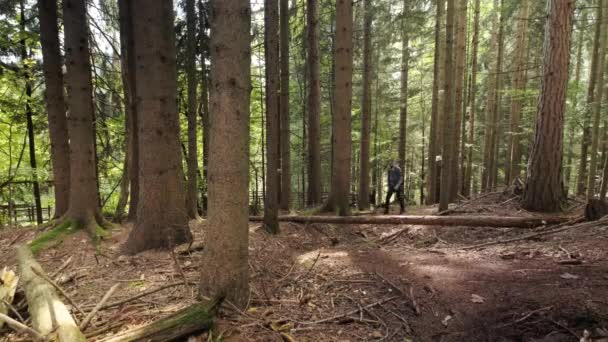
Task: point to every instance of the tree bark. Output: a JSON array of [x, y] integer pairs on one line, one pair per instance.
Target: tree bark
[[47, 312], [229, 154], [582, 180], [434, 134], [204, 100], [341, 120], [519, 83], [55, 103], [461, 221], [447, 172], [460, 44], [468, 174], [271, 52], [314, 104], [596, 106], [161, 221], [366, 108], [544, 186], [284, 108], [84, 205], [191, 193]]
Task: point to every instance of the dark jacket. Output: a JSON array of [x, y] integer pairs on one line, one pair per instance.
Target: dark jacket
[[394, 177]]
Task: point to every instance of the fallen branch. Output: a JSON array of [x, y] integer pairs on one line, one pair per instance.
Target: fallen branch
[[352, 312], [465, 203], [557, 229], [61, 268], [8, 286], [467, 221], [197, 317], [20, 327], [58, 288], [95, 310], [143, 294], [47, 312]]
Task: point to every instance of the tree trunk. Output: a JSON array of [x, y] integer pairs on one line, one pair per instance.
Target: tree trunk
[[341, 120], [47, 312], [447, 172], [468, 174], [229, 154], [434, 134], [403, 94], [84, 205], [463, 221], [460, 44], [366, 108], [544, 186], [161, 219], [204, 100], [191, 193], [581, 188], [596, 106], [284, 109], [271, 52], [314, 104], [55, 103], [519, 83]]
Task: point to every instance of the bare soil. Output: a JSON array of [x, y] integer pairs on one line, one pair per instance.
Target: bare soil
[[321, 282]]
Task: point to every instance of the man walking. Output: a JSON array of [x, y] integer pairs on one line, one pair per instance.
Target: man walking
[[395, 185]]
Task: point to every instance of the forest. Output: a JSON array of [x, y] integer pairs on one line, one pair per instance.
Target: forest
[[304, 170]]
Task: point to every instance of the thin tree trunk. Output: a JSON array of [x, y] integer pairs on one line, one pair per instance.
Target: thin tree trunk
[[229, 155], [471, 104], [596, 108], [582, 180], [447, 172], [460, 44], [314, 104], [434, 134], [162, 221], [544, 186], [512, 168], [284, 108], [204, 102], [55, 103], [366, 108], [403, 94], [271, 51], [191, 194]]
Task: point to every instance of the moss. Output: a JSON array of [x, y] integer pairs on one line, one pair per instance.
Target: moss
[[53, 237]]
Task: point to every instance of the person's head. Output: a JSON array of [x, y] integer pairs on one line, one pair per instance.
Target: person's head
[[394, 162]]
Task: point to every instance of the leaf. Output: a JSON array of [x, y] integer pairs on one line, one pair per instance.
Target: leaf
[[477, 299], [278, 327], [446, 320]]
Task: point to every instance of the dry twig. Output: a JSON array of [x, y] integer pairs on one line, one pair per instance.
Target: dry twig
[[19, 327], [92, 314]]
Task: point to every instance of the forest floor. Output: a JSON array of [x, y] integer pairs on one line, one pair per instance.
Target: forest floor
[[321, 282]]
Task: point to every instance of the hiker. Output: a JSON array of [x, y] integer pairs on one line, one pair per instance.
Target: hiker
[[395, 185]]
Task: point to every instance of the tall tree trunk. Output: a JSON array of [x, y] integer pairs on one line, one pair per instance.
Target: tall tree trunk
[[341, 120], [468, 174], [29, 115], [447, 175], [284, 108], [366, 108], [125, 23], [161, 219], [582, 180], [460, 41], [229, 155], [434, 134], [204, 41], [314, 104], [84, 210], [271, 62], [55, 103], [403, 94], [519, 83], [596, 108], [544, 186], [191, 194]]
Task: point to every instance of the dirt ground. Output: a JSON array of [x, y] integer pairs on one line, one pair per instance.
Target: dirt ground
[[322, 282]]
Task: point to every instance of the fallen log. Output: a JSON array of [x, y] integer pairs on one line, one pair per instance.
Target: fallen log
[[195, 318], [8, 286], [470, 221], [47, 312]]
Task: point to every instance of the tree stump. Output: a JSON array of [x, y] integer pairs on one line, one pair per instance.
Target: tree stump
[[595, 209]]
